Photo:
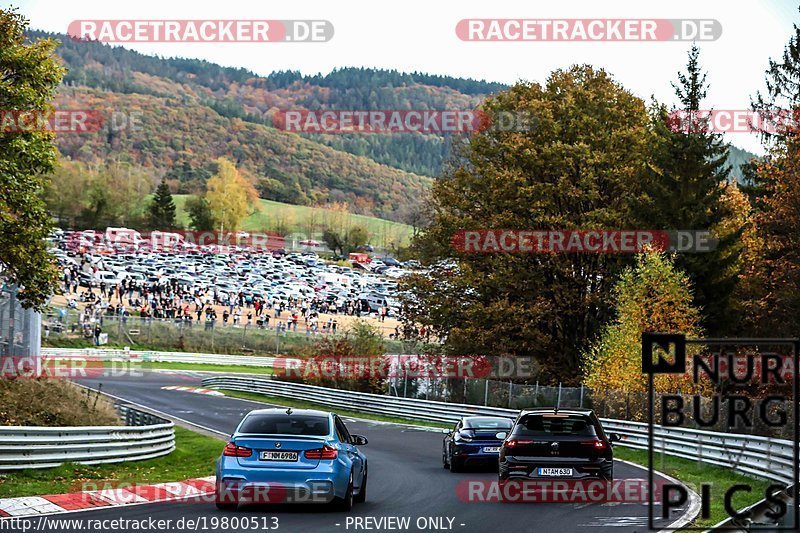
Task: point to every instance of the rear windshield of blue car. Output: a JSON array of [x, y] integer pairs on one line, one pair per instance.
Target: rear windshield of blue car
[[487, 423], [537, 425], [283, 424]]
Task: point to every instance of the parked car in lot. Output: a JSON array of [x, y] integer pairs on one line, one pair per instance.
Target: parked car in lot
[[549, 443], [105, 276], [310, 455], [474, 441]]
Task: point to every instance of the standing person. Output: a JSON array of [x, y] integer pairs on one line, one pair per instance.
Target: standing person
[[97, 331]]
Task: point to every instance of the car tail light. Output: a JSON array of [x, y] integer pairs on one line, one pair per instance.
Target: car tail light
[[513, 443], [598, 444], [326, 452], [232, 450]]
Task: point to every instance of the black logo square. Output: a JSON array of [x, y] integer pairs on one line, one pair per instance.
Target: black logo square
[[664, 341]]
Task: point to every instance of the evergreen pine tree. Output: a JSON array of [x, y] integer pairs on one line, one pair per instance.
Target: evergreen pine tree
[[684, 189], [161, 213]]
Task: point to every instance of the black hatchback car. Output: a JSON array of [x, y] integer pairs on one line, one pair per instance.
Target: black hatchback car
[[545, 443]]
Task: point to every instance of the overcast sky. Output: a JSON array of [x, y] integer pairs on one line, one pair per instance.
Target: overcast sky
[[420, 35]]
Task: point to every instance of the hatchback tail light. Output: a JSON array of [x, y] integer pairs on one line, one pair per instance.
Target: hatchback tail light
[[232, 450], [597, 444], [326, 452], [513, 443]]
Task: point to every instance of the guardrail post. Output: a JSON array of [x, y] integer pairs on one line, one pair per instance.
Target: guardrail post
[[699, 449], [627, 406], [558, 399], [510, 393], [581, 395], [486, 392]]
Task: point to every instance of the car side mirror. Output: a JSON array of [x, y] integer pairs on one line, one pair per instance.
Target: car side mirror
[[502, 435], [615, 437], [358, 440]]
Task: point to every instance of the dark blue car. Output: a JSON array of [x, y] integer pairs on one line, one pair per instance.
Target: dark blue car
[[474, 441], [292, 456]]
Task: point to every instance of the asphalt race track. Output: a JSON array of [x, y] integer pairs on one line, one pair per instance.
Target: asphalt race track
[[406, 478]]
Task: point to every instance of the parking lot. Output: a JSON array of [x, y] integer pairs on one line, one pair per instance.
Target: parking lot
[[237, 286]]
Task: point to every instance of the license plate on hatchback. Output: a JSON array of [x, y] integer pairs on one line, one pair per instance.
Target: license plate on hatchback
[[556, 472], [279, 456], [491, 449]]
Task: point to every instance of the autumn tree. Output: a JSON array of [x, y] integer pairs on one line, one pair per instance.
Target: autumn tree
[[349, 241], [29, 76], [770, 296], [771, 293], [684, 189], [230, 196], [358, 354], [65, 191], [115, 195], [652, 296], [574, 170]]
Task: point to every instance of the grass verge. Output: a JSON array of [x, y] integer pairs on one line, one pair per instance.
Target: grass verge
[[694, 475], [208, 368], [301, 404], [194, 456]]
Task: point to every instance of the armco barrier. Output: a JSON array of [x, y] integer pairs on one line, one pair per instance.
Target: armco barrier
[[751, 455], [146, 436], [147, 356]]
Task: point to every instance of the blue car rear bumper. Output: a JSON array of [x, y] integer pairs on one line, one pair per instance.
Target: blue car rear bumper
[[246, 485]]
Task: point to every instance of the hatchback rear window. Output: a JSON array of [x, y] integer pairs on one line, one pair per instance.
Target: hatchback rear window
[[282, 424], [538, 425]]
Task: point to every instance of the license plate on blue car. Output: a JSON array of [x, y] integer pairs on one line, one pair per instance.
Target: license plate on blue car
[[491, 449], [278, 456]]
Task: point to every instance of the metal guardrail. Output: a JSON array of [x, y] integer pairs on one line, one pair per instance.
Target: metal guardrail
[[146, 436], [147, 356], [748, 454]]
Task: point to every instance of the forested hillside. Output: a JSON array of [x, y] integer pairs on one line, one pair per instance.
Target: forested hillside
[[191, 112]]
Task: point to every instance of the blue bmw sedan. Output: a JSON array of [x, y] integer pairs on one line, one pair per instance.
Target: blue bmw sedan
[[292, 456]]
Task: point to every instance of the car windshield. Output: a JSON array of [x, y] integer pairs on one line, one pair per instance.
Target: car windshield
[[487, 423], [283, 424], [539, 425]]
